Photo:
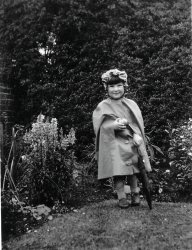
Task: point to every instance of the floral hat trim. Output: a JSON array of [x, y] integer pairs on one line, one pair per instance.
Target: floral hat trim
[[114, 72]]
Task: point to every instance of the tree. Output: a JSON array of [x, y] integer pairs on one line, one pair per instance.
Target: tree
[[80, 40]]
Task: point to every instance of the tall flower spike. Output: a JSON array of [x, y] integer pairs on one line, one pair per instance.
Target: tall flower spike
[[114, 72]]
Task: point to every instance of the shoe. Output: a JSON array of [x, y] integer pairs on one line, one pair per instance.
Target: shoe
[[135, 199], [123, 203]]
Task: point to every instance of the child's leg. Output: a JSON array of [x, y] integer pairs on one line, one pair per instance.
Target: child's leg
[[134, 184], [119, 187], [135, 198]]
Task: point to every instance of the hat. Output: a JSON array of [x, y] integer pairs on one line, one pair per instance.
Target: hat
[[114, 72]]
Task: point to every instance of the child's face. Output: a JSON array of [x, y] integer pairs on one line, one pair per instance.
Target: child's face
[[116, 91]]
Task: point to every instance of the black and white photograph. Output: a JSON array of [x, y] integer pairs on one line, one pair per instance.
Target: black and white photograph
[[96, 124]]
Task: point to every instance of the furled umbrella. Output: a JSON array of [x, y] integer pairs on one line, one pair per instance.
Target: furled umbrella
[[143, 177]]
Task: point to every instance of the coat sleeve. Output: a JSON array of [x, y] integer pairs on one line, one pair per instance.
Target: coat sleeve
[[97, 119]]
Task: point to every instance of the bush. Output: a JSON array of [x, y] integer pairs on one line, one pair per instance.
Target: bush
[[47, 163], [180, 154], [174, 181], [41, 169]]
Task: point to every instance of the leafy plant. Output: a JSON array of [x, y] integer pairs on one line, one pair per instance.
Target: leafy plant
[[47, 162], [180, 155], [173, 182]]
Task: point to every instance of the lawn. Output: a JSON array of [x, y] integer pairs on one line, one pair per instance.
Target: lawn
[[104, 225]]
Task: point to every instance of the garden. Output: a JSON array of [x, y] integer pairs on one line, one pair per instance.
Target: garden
[[55, 53]]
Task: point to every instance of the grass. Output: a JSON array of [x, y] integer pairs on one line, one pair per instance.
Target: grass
[[105, 226]]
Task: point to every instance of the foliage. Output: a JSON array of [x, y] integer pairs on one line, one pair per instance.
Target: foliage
[[180, 154], [15, 219], [18, 217], [47, 162], [158, 64], [38, 171], [58, 50], [174, 182], [24, 185]]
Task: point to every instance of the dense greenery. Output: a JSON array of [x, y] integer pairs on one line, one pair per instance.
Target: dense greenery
[[47, 163], [80, 40], [41, 170]]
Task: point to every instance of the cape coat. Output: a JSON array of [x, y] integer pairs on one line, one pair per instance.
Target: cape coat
[[108, 154]]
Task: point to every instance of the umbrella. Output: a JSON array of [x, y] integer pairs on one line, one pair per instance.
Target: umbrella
[[143, 174], [145, 181]]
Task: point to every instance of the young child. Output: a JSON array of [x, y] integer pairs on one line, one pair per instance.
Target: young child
[[119, 129]]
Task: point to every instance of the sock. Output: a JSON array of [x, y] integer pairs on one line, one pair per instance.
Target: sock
[[119, 187], [133, 184]]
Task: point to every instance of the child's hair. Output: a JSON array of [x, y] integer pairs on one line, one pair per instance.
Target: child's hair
[[114, 80]]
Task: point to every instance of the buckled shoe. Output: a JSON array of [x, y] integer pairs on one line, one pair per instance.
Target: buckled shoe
[[123, 203], [135, 199]]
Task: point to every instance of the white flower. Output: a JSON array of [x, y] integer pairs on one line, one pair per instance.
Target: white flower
[[40, 118], [54, 120], [171, 163], [23, 157], [64, 143], [160, 190]]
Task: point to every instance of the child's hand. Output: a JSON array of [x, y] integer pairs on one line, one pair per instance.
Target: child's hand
[[137, 139], [124, 121], [118, 125]]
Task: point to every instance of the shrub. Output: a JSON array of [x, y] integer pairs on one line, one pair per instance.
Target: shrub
[[180, 155], [47, 162], [173, 182]]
